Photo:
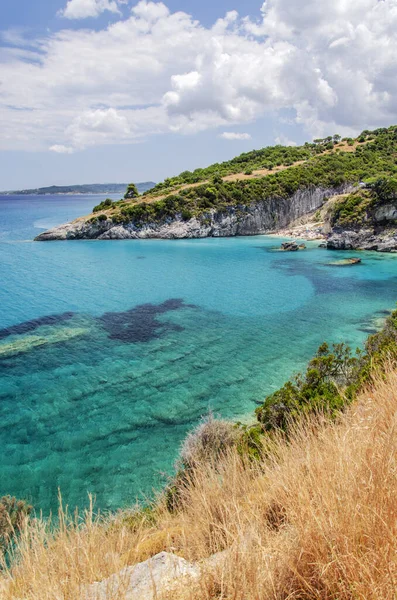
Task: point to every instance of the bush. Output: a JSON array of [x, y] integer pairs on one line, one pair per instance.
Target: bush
[[332, 380], [102, 217], [318, 390], [216, 179], [106, 204], [186, 215]]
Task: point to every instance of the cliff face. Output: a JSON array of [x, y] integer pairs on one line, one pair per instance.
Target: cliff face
[[258, 218], [378, 233]]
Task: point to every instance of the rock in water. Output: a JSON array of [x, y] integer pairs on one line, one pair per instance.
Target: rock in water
[[345, 262], [290, 247], [144, 581]]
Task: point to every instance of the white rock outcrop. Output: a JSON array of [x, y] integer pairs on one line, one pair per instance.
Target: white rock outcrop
[[144, 581]]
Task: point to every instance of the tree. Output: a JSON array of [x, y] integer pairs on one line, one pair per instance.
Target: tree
[[132, 192]]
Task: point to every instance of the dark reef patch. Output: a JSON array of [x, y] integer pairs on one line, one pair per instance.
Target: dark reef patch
[[140, 324], [28, 326]]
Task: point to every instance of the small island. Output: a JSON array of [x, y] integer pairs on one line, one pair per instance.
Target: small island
[[90, 188]]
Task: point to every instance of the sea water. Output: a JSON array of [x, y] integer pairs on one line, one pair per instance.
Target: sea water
[[111, 351]]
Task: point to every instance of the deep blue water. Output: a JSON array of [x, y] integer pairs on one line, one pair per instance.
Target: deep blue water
[[111, 351]]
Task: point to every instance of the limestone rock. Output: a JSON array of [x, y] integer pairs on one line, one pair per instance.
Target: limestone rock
[[144, 581], [363, 239], [263, 216]]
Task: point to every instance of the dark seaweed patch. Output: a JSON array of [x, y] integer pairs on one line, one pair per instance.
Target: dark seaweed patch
[[140, 324], [34, 324]]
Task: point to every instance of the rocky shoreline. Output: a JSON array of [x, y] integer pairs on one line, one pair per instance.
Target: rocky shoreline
[[292, 217], [265, 216], [363, 239]]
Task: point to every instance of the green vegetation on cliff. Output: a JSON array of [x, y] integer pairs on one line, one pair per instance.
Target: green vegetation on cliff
[[266, 158], [358, 208], [326, 163]]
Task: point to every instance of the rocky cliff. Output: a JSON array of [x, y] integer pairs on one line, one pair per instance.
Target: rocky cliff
[[377, 232], [257, 218]]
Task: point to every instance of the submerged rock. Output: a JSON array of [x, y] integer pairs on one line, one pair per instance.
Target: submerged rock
[[29, 342], [345, 262]]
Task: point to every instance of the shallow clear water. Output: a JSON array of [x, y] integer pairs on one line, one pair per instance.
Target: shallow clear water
[[147, 337]]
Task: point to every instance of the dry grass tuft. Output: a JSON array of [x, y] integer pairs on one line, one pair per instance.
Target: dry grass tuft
[[316, 520], [211, 438]]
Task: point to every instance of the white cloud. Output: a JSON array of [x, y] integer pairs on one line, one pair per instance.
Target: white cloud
[[231, 135], [59, 149], [81, 9], [151, 11], [333, 65], [284, 141]]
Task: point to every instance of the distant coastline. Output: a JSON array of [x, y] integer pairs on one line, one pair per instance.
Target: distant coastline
[[83, 189]]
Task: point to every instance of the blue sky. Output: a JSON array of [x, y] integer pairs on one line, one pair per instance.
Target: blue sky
[[125, 90], [42, 14]]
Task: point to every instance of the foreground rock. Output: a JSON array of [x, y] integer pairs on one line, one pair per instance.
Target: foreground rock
[[262, 217], [145, 581]]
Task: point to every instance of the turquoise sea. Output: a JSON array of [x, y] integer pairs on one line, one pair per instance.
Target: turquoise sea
[[111, 351]]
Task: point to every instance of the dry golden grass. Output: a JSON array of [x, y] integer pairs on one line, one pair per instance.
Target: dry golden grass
[[316, 520]]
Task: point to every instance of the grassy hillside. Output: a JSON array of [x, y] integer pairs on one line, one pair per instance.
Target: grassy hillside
[[281, 172]]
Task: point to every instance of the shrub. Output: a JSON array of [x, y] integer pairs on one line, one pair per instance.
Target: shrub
[[106, 204], [384, 188], [186, 214], [318, 390], [102, 217], [217, 179], [332, 380], [211, 193]]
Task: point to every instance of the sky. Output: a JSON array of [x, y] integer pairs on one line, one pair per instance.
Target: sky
[[95, 91]]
